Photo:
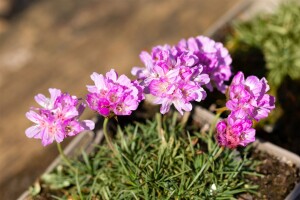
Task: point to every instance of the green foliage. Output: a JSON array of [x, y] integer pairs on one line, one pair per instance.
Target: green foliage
[[155, 160], [278, 36]]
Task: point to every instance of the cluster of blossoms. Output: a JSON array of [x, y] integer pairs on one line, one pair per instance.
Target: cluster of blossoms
[[113, 95], [214, 58], [247, 102], [176, 74], [57, 118]]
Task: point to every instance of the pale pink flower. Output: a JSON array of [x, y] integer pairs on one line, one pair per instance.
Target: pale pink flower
[[57, 119], [172, 78]]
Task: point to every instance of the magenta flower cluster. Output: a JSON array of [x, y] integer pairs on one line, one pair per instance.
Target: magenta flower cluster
[[112, 95], [214, 58], [248, 97], [173, 75], [248, 101], [57, 118], [176, 74]]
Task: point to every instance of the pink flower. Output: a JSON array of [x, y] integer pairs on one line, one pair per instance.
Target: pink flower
[[247, 101], [57, 119], [249, 96], [48, 103], [233, 132], [157, 64], [213, 56], [114, 95], [172, 78]]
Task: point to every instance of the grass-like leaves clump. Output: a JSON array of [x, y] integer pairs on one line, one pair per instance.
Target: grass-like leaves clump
[[277, 36], [158, 159]]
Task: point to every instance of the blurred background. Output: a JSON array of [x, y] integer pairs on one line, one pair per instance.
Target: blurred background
[[59, 44]]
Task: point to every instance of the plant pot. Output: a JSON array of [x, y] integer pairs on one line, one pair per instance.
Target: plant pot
[[84, 141]]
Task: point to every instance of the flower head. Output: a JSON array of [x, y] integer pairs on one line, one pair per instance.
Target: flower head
[[249, 96], [213, 56], [172, 78], [233, 132], [114, 95], [58, 117]]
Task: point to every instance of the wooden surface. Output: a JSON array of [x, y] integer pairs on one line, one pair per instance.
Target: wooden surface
[[60, 43]]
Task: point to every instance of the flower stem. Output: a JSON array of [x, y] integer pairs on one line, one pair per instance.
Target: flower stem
[[160, 131], [107, 138], [64, 157], [212, 130], [218, 153], [221, 110]]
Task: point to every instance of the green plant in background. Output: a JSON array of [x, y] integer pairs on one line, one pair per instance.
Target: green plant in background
[[277, 35], [157, 159]]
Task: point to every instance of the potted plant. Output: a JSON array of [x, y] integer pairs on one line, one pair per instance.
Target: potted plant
[[170, 156], [166, 157]]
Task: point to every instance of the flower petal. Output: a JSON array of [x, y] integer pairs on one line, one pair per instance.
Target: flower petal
[[147, 60], [46, 139], [165, 107], [34, 117], [54, 94], [112, 75], [98, 80], [33, 132], [238, 78], [254, 85], [42, 100], [124, 80], [88, 124]]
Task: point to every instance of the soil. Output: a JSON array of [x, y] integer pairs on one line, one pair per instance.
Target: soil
[[278, 181]]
